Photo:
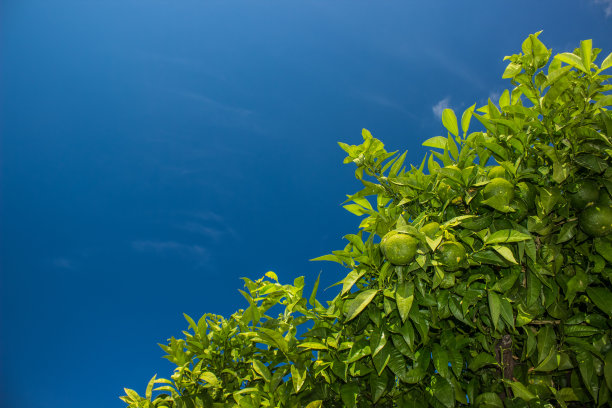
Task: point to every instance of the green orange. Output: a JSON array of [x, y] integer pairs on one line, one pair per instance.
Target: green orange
[[596, 220], [497, 172], [451, 254], [586, 194], [399, 248], [499, 186]]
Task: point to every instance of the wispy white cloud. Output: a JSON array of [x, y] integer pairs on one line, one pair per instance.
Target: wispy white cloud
[[607, 6], [207, 216], [454, 66], [214, 104], [439, 107], [441, 58], [64, 263], [189, 63], [220, 113], [163, 247], [380, 100], [208, 224], [201, 229]]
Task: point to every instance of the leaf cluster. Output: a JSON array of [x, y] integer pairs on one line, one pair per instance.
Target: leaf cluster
[[507, 301]]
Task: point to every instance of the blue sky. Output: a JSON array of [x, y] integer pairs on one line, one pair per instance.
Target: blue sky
[[154, 152]]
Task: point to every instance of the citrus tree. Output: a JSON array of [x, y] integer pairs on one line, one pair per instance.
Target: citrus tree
[[481, 277]]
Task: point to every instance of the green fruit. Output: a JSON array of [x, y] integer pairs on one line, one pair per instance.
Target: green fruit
[[399, 248], [451, 254], [527, 193], [587, 193], [499, 187], [430, 229], [596, 220], [497, 172]]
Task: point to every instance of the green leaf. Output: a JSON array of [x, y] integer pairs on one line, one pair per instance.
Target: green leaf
[[494, 307], [443, 391], [313, 296], [312, 345], [568, 230], [272, 276], [274, 338], [440, 360], [607, 62], [404, 298], [466, 117], [603, 102], [550, 362], [481, 360], [350, 279], [133, 395], [349, 393], [210, 378], [608, 369], [328, 257], [506, 253], [397, 363], [437, 142], [489, 400], [297, 378], [407, 332], [397, 165], [192, 323], [591, 162], [149, 391], [359, 350], [534, 287], [512, 70], [355, 209], [587, 371], [506, 235], [586, 53], [506, 312], [360, 302], [315, 404], [456, 360], [382, 358], [378, 340], [452, 147], [449, 120], [571, 59], [519, 390], [602, 297], [505, 283], [261, 369], [378, 385], [547, 341]]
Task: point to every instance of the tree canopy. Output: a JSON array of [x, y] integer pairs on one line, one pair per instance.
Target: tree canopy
[[481, 277]]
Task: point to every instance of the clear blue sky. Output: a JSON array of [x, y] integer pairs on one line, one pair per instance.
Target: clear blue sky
[[153, 152]]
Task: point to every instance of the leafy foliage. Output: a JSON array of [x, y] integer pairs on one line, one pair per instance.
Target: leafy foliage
[[506, 302]]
